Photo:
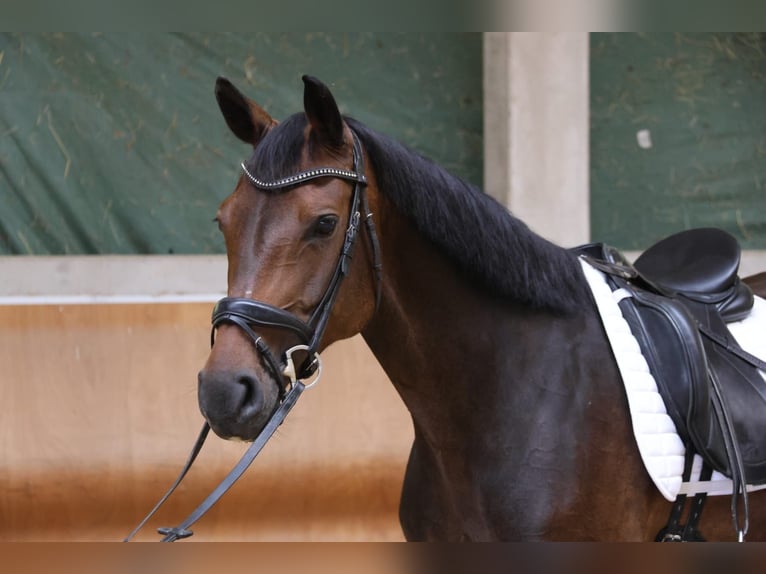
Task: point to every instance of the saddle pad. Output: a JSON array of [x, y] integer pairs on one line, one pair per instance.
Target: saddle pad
[[659, 445]]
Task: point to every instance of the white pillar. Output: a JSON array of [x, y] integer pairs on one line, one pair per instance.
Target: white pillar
[[536, 130]]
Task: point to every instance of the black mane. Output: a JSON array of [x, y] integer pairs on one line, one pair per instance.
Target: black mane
[[491, 247]]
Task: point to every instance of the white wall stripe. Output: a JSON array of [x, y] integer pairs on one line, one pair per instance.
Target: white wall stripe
[[118, 279], [60, 280], [19, 300]]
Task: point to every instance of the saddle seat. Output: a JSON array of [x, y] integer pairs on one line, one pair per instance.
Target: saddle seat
[[697, 265]]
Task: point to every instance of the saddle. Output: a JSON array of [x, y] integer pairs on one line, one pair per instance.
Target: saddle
[[677, 298]]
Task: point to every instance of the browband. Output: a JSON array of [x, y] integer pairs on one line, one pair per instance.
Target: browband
[[304, 176]]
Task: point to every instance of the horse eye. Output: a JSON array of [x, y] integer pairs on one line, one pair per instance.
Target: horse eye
[[325, 225]]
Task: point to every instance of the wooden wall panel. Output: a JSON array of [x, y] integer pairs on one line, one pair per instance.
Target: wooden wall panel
[[100, 411]]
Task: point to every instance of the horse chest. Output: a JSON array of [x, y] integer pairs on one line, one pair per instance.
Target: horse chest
[[497, 492]]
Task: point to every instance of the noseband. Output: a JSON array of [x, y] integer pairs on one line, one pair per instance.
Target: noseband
[[249, 315]]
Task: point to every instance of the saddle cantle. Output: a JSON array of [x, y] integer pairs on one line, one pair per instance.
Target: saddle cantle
[[702, 261], [700, 264], [677, 298]]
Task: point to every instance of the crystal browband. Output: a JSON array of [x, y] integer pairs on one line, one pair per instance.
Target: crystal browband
[[304, 176]]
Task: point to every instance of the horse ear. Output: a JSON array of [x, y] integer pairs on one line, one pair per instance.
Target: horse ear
[[322, 112], [245, 118]]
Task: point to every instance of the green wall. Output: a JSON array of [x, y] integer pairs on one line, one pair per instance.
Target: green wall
[[113, 143], [702, 98]]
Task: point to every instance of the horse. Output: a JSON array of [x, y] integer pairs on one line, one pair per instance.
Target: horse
[[488, 332]]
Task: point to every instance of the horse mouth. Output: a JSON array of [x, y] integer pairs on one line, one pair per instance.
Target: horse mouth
[[237, 439], [244, 431]]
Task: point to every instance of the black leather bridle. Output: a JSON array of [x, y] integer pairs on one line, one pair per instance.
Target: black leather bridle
[[249, 315]]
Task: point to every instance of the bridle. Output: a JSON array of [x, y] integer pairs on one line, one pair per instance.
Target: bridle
[[249, 315], [247, 312]]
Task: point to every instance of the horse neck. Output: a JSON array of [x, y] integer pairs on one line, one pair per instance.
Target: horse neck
[[449, 347]]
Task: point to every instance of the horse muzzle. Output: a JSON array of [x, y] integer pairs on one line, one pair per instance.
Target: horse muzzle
[[238, 401]]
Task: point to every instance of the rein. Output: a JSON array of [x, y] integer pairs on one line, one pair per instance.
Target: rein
[[248, 313]]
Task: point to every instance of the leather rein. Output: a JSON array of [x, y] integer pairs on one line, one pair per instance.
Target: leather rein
[[249, 314]]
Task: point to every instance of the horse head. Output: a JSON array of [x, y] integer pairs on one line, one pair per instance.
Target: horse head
[[289, 227]]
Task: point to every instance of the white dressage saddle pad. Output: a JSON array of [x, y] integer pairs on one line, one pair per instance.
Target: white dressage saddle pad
[[658, 442]]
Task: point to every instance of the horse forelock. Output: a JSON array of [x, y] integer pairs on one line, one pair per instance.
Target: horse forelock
[[280, 152]]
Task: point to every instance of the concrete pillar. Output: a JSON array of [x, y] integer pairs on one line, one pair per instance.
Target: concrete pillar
[[536, 130]]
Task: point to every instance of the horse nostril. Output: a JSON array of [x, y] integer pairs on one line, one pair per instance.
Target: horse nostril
[[252, 399]]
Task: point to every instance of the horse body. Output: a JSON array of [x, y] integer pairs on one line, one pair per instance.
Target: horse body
[[521, 424]]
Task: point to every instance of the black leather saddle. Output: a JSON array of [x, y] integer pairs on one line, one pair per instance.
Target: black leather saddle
[[682, 292]]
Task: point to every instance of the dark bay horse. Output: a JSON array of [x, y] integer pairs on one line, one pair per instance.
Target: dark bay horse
[[488, 332]]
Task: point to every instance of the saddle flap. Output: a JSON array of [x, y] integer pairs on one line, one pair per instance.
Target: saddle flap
[[672, 347], [683, 362]]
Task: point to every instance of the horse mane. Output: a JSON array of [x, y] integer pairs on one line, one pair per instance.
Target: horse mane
[[493, 249]]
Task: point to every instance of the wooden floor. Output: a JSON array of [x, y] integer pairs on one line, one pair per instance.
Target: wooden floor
[[100, 411]]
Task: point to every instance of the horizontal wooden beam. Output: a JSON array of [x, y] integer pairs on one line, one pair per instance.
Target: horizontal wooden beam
[[141, 279]]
